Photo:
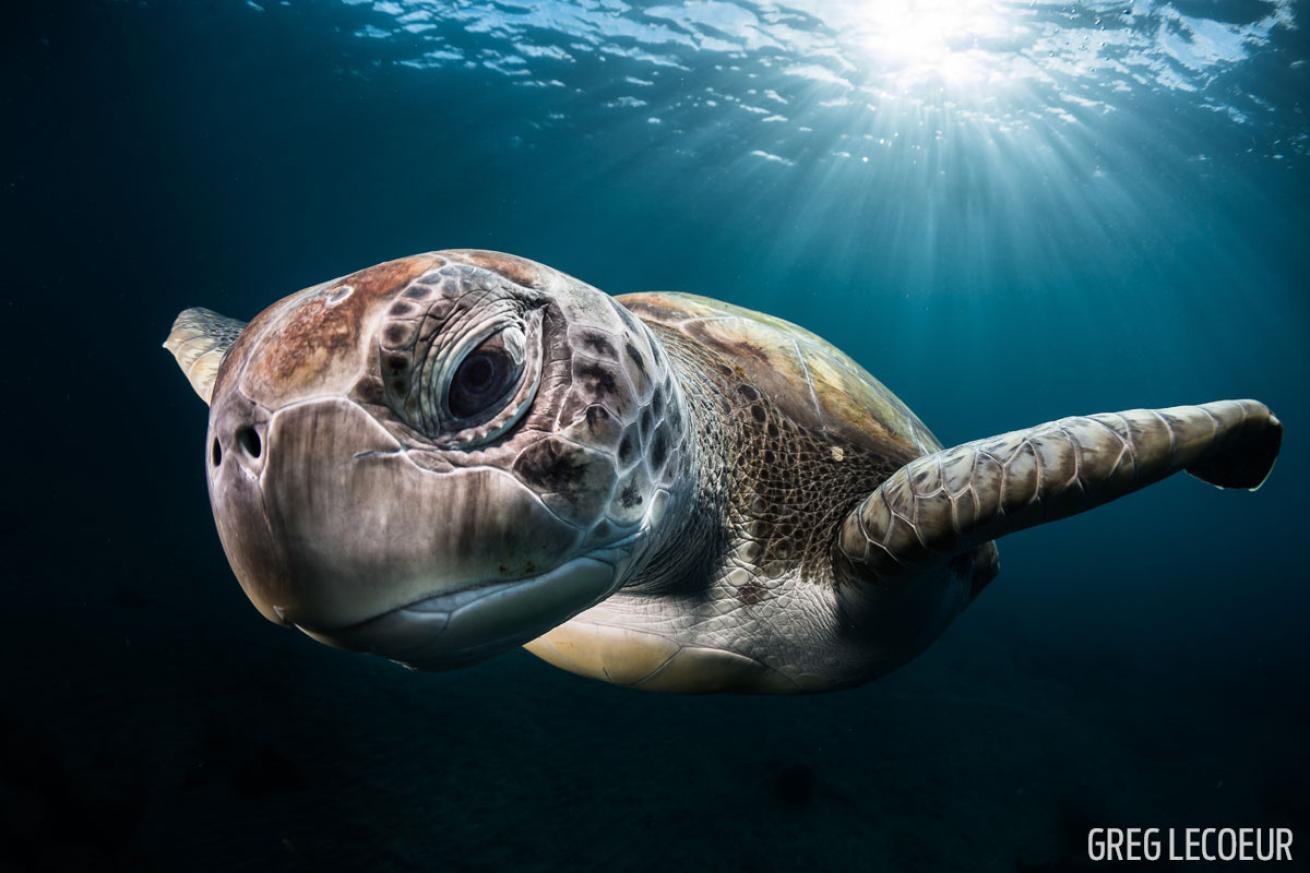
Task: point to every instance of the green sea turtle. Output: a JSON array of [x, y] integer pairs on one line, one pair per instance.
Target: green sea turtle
[[441, 457]]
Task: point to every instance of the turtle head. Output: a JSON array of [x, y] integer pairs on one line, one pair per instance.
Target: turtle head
[[436, 458]]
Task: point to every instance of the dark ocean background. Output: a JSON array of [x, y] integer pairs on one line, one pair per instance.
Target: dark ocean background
[[1008, 212]]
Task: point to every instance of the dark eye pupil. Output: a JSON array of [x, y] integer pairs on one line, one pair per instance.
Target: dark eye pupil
[[481, 381], [478, 373]]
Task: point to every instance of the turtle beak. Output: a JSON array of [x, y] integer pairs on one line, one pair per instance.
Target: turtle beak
[[331, 525], [292, 511]]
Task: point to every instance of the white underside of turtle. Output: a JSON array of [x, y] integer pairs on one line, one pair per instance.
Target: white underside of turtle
[[446, 456]]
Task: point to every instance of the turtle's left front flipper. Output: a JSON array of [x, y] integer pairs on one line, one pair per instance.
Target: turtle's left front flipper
[[946, 504]]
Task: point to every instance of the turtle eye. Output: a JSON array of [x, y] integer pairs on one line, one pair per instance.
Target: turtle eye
[[486, 376]]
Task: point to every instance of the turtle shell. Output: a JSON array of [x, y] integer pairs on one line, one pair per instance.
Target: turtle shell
[[807, 378]]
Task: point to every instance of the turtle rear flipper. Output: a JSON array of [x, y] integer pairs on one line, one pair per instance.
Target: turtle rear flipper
[[946, 504], [199, 341]]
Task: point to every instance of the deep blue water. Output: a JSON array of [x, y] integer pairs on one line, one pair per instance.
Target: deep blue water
[[1007, 212]]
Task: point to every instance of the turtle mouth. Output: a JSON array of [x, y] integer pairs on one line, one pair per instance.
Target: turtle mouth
[[457, 628]]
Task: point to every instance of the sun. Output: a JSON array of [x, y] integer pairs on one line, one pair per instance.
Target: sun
[[921, 41]]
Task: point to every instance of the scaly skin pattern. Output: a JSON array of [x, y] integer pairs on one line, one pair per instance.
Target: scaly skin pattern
[[199, 341], [976, 492], [789, 436]]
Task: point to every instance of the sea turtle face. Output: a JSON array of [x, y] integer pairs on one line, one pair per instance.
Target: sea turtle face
[[441, 457]]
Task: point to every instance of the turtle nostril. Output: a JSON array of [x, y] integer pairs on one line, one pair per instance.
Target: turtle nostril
[[249, 441], [216, 453]]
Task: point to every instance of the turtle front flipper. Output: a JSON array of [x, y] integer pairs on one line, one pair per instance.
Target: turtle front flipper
[[917, 550], [199, 341], [947, 504]]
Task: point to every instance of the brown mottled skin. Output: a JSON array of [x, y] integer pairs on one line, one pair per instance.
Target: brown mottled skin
[[657, 490]]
